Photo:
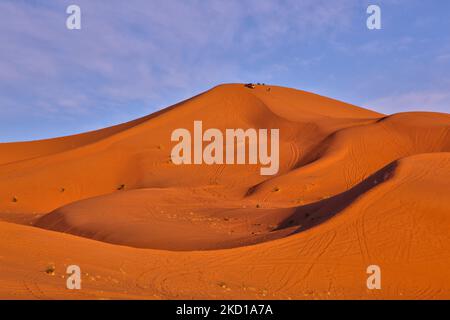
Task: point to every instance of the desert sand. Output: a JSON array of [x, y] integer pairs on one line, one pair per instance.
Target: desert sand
[[355, 188]]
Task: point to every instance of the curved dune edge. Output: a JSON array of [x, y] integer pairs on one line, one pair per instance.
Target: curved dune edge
[[207, 217], [154, 218], [327, 261], [355, 188], [138, 157]]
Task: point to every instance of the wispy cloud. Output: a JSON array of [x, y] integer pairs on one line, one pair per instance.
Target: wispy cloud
[[138, 50], [134, 56], [437, 101]]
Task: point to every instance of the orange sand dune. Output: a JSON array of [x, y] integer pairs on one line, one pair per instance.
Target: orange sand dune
[[355, 188]]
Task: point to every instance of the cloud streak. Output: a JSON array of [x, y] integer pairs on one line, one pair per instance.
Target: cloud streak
[[133, 57], [436, 101]]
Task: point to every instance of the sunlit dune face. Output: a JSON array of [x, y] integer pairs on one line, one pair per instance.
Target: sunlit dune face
[[353, 189]]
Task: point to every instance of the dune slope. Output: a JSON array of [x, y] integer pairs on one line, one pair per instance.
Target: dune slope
[[355, 188]]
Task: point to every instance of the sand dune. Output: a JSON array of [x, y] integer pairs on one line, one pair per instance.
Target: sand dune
[[355, 188]]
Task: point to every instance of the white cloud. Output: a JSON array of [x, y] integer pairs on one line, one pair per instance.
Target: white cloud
[[139, 49], [437, 101], [133, 55]]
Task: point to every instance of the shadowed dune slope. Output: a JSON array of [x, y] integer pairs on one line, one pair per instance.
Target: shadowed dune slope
[[354, 188], [400, 222], [348, 156], [137, 156]]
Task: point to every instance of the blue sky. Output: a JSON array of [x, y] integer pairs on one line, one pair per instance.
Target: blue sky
[[134, 57]]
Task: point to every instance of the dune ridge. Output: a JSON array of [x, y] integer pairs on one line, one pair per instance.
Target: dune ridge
[[355, 188]]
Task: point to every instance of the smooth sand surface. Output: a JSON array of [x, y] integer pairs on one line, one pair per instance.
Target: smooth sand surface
[[355, 188]]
